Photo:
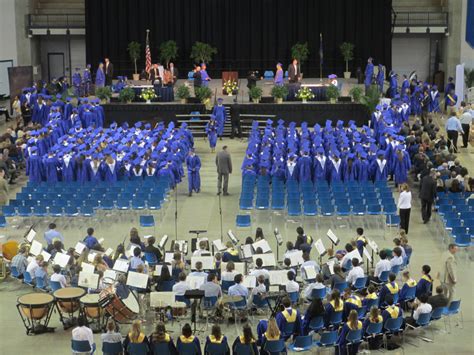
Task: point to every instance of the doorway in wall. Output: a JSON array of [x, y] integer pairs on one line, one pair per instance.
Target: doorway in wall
[[55, 65]]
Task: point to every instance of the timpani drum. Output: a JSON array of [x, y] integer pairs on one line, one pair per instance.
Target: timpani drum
[[67, 303], [178, 309], [122, 310], [90, 305], [35, 311]]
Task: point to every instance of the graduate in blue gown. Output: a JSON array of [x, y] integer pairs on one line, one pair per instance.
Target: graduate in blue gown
[[67, 168], [291, 169], [393, 90], [88, 117], [380, 78], [401, 165], [380, 167], [278, 80], [289, 316], [187, 337], [51, 167], [405, 84], [34, 166], [110, 168], [369, 73], [335, 167], [425, 285], [350, 168], [98, 111], [39, 111], [451, 99], [211, 131], [320, 165], [76, 82], [434, 103], [363, 168], [204, 75], [82, 170], [100, 76], [86, 80], [305, 166], [95, 168], [219, 112], [353, 323], [193, 164], [449, 87]]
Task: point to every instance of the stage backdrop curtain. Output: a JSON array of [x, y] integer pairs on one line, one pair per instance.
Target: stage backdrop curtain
[[248, 34]]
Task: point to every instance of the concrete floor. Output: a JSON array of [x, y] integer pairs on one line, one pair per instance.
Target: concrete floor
[[202, 212]]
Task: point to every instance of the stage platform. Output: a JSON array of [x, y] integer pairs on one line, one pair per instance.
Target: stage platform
[[311, 112]]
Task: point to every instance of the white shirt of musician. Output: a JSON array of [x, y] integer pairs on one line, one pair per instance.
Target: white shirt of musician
[[180, 288], [292, 286], [201, 252], [83, 333], [381, 164]]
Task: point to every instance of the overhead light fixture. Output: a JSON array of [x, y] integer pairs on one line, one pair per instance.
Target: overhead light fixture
[[407, 30], [427, 30], [48, 31]]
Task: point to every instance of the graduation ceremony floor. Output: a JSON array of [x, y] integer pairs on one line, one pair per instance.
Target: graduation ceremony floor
[[201, 211]]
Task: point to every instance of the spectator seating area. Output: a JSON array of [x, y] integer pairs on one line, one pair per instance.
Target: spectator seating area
[[321, 199], [72, 199], [456, 211]]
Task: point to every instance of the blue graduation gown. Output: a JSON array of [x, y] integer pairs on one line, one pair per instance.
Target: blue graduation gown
[[95, 174], [369, 72], [204, 77], [447, 90], [82, 172], [377, 173], [405, 86], [34, 168], [194, 180], [211, 131], [67, 170], [401, 168], [291, 175], [88, 118], [393, 86], [194, 340], [51, 165], [99, 116], [434, 103], [304, 168], [219, 112], [100, 78], [341, 349], [110, 171], [350, 172], [335, 174], [282, 322], [279, 77], [38, 114], [320, 169], [380, 79], [222, 341], [363, 170], [425, 285]]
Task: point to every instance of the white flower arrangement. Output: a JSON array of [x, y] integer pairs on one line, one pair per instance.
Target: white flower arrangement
[[230, 86], [148, 94], [305, 93]]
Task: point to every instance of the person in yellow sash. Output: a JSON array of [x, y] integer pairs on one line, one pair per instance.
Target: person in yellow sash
[[408, 284], [272, 333], [231, 254], [351, 302], [392, 310], [288, 320], [390, 288], [216, 337], [371, 295], [425, 285], [374, 316], [160, 336], [187, 337], [353, 323], [335, 304], [246, 339], [135, 336]]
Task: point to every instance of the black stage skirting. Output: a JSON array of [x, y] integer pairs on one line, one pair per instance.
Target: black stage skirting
[[298, 112]]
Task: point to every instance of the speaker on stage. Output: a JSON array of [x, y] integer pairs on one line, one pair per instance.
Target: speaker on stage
[[267, 100], [344, 99]]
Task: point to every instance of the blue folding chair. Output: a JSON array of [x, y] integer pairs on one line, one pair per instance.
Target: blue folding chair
[[14, 272], [275, 346], [373, 302], [41, 283], [294, 297], [318, 293], [81, 346], [9, 211], [335, 319], [137, 348], [246, 204], [360, 283], [353, 337], [217, 349], [243, 220], [374, 209], [87, 211], [3, 222], [147, 221], [112, 348], [226, 285], [56, 211], [24, 211], [183, 299], [340, 286], [327, 340], [167, 286], [316, 323], [243, 349], [373, 330], [55, 285], [151, 259]]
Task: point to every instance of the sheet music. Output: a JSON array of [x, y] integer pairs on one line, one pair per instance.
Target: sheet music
[[239, 267], [79, 248], [61, 259], [121, 265], [274, 288], [267, 259], [333, 237], [87, 268], [100, 241], [31, 235], [157, 271], [110, 274], [169, 257], [36, 248], [330, 264], [138, 280], [262, 244], [163, 241], [219, 245], [46, 255], [278, 277], [296, 258], [310, 272], [320, 247], [207, 262], [91, 257], [162, 299], [195, 282], [367, 255], [373, 246], [147, 236], [249, 281], [109, 252], [354, 254], [247, 251], [89, 280]]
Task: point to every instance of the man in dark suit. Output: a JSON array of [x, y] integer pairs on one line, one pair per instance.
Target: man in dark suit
[[294, 73], [154, 74], [439, 300], [425, 104], [427, 195], [224, 168], [174, 72], [197, 77], [109, 72]]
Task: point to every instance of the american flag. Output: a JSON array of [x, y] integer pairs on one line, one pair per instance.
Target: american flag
[[147, 54]]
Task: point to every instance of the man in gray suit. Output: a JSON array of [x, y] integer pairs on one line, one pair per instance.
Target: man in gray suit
[[224, 168]]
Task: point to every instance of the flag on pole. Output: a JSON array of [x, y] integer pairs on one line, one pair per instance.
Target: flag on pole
[[321, 54], [147, 53]]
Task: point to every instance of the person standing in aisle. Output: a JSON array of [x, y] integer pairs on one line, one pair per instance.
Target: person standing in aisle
[[404, 207]]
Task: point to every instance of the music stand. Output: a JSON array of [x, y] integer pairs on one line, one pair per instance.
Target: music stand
[[279, 241], [194, 295]]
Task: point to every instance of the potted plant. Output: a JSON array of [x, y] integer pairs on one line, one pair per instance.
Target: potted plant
[[356, 92], [134, 49], [371, 100], [104, 94], [230, 87], [305, 94], [183, 93], [204, 95], [202, 52], [255, 94], [279, 92], [148, 95], [300, 51], [127, 95], [332, 92], [168, 52], [347, 51]]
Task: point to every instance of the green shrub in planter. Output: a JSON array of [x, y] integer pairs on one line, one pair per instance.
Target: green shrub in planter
[[255, 93], [279, 92], [332, 92], [356, 92], [127, 95], [103, 93], [183, 92], [372, 99], [203, 93]]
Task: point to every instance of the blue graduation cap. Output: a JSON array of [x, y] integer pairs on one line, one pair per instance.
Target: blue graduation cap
[[381, 152]]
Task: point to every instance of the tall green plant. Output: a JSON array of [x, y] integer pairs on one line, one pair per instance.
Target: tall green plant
[[371, 100], [134, 49], [347, 51], [202, 52], [168, 51], [300, 51]]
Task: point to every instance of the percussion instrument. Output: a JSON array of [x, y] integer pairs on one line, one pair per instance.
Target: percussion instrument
[[92, 311], [67, 303], [10, 249], [178, 309], [121, 310], [35, 310]]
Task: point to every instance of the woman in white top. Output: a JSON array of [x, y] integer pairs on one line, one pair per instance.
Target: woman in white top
[[229, 273], [404, 207]]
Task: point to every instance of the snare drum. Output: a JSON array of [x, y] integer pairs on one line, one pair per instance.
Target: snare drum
[[122, 310], [35, 305], [68, 298], [178, 309], [90, 305]]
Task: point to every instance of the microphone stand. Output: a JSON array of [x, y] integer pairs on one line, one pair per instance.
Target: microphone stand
[[220, 214], [176, 213]]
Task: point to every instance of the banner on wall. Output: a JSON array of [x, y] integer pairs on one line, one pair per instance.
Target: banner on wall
[[459, 84], [470, 23]]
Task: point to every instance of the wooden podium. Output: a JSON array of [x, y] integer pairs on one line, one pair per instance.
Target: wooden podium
[[232, 75]]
